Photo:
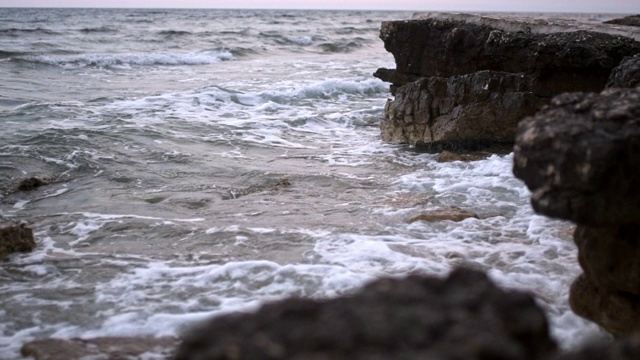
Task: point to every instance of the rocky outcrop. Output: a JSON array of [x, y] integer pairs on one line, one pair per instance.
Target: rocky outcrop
[[100, 348], [462, 317], [627, 74], [461, 82], [452, 213], [633, 20], [16, 238], [579, 157]]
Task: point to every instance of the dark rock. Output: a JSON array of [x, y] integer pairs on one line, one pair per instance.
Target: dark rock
[[18, 238], [462, 317], [560, 61], [627, 75], [633, 20], [467, 111], [579, 157], [449, 156], [32, 183], [452, 213], [616, 312], [100, 348]]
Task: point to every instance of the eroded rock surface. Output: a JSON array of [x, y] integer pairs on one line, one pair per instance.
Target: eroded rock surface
[[461, 81], [627, 74], [580, 158], [16, 238], [462, 317]]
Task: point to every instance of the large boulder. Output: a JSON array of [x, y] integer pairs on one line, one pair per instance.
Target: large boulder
[[466, 81], [579, 157], [16, 238], [627, 74], [462, 317]]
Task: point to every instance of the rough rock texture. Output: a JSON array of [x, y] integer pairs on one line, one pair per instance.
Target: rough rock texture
[[16, 238], [460, 112], [633, 20], [465, 82], [111, 348], [579, 157], [462, 317], [627, 74], [452, 213]]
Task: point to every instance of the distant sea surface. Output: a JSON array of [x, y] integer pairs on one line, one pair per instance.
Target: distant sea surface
[[207, 161]]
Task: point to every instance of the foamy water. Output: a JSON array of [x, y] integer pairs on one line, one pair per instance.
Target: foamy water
[[205, 162]]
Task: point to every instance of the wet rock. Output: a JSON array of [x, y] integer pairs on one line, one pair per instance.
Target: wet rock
[[463, 82], [32, 183], [633, 20], [101, 348], [627, 75], [449, 156], [579, 157], [16, 238], [452, 213], [468, 111], [462, 317], [268, 185]]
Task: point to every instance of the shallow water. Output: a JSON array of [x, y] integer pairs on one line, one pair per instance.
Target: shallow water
[[204, 162]]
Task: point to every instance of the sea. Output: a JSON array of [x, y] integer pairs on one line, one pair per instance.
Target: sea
[[203, 162]]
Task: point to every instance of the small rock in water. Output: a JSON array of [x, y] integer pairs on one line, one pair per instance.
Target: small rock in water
[[17, 238], [452, 213], [32, 183], [449, 156]]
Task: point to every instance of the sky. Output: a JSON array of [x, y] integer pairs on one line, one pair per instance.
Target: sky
[[591, 6]]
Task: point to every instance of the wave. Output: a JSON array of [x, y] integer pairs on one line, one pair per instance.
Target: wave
[[341, 46], [287, 40], [124, 60], [101, 29], [17, 32]]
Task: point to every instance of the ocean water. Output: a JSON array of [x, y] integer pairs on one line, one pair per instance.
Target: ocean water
[[207, 161]]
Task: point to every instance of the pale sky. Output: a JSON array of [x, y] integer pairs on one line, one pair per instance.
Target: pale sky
[[593, 6]]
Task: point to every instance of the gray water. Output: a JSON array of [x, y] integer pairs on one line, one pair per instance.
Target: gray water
[[206, 161]]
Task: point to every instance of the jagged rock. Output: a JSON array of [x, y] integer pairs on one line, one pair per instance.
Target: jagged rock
[[559, 61], [101, 348], [633, 20], [460, 112], [579, 157], [452, 213], [462, 317], [16, 238], [32, 183], [627, 74]]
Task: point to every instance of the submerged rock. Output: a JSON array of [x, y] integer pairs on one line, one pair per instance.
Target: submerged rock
[[16, 238], [32, 183], [464, 81], [452, 213], [627, 74], [101, 348], [462, 317]]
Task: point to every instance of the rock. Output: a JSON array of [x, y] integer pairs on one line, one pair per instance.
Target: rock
[[462, 317], [579, 157], [633, 20], [448, 156], [32, 183], [453, 213], [464, 81], [559, 61], [468, 111], [627, 74], [616, 312], [16, 238], [101, 348]]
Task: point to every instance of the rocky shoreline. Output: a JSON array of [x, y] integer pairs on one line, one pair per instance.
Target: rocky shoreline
[[568, 94]]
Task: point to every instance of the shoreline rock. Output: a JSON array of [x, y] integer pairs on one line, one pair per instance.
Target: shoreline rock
[[464, 81], [632, 20], [16, 238]]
